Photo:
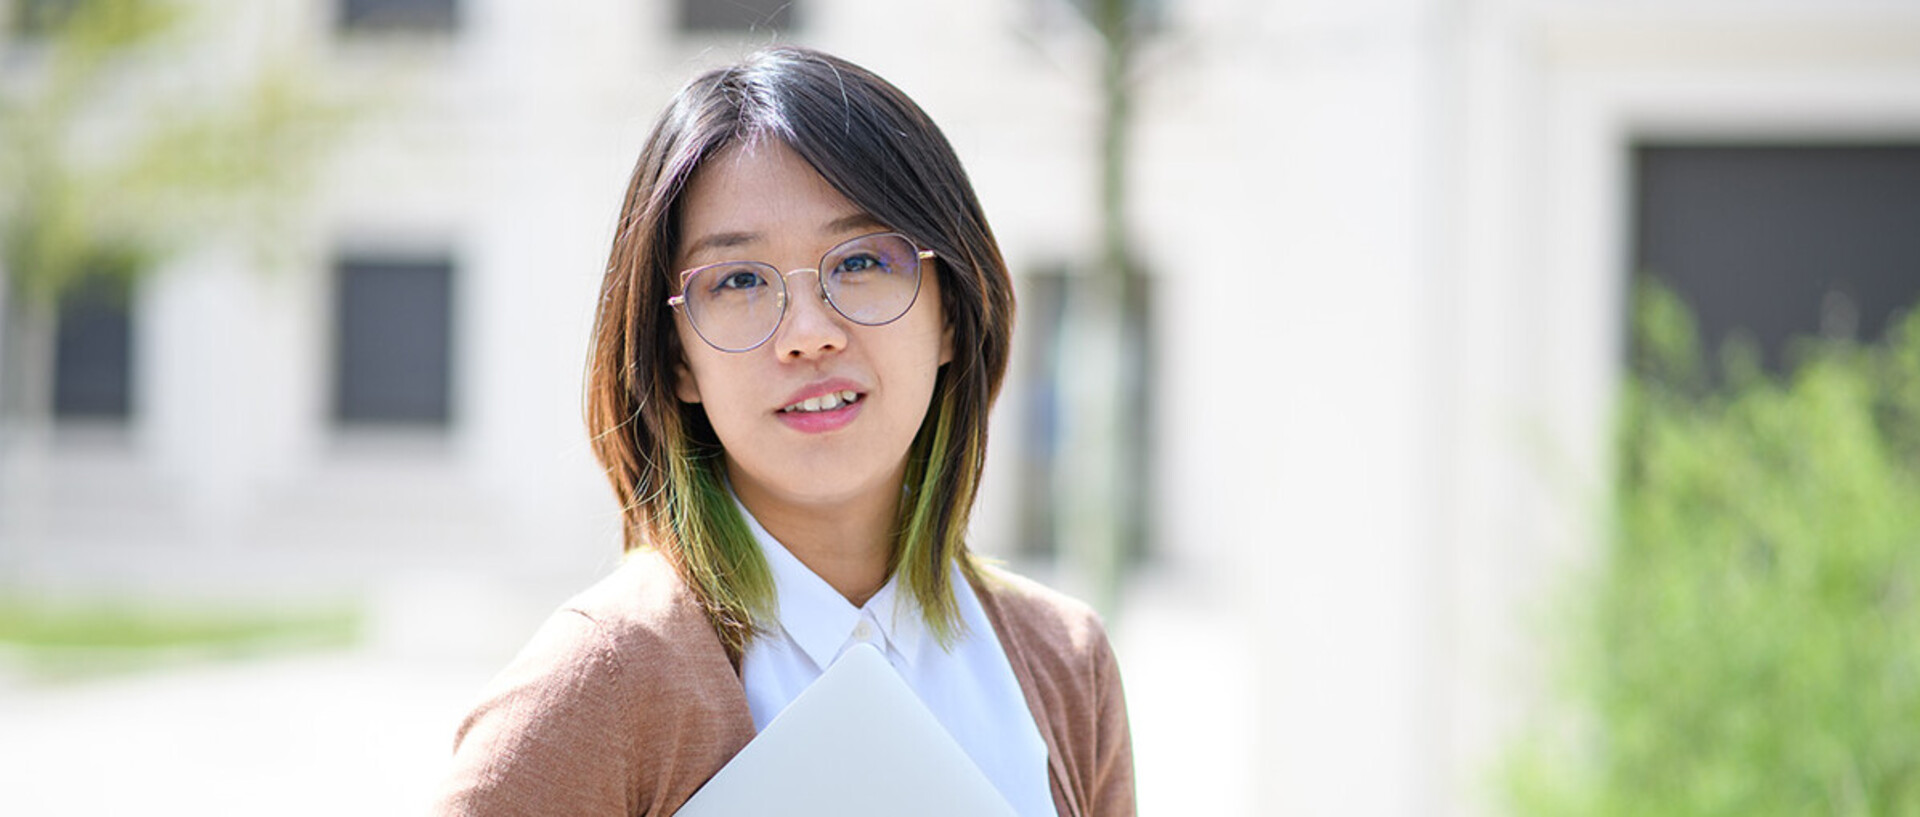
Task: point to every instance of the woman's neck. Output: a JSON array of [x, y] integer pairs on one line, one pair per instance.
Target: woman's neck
[[846, 542]]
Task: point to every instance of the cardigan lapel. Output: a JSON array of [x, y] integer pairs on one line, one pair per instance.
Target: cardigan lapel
[[1019, 655]]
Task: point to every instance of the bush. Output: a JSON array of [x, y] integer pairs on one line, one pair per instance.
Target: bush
[[1751, 645]]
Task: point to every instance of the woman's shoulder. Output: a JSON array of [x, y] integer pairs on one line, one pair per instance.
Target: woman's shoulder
[[635, 642], [626, 671], [1035, 612], [639, 629], [641, 605]]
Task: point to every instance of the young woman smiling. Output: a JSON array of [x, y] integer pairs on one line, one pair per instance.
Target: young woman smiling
[[802, 326]]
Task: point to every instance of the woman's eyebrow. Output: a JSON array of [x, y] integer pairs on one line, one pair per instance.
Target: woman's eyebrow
[[722, 241], [741, 238], [850, 222]]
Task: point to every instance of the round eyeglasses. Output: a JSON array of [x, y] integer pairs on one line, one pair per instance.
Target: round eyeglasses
[[736, 306]]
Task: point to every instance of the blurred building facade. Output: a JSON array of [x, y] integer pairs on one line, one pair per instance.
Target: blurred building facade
[[1390, 251]]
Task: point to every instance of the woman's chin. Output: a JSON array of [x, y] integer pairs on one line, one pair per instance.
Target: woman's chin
[[820, 486]]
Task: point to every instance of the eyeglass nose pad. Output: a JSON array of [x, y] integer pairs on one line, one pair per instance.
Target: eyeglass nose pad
[[819, 284]]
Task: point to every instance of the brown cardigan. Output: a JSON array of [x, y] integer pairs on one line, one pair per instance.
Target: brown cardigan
[[624, 703]]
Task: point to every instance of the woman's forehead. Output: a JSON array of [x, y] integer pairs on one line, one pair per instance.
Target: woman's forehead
[[761, 194]]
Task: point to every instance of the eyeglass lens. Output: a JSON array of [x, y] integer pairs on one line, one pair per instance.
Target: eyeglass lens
[[737, 305]]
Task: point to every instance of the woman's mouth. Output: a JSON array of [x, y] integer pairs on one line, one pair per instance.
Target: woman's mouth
[[824, 402]]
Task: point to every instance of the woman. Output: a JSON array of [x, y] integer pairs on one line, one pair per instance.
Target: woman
[[802, 326]]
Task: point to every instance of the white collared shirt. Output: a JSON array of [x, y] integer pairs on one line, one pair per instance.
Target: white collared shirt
[[971, 688]]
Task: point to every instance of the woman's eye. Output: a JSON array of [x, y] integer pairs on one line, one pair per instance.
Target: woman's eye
[[737, 279], [860, 263]]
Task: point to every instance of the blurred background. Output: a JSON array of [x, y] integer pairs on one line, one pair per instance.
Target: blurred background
[[1328, 388]]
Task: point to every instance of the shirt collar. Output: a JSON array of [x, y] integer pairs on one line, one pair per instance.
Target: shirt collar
[[820, 620], [898, 618]]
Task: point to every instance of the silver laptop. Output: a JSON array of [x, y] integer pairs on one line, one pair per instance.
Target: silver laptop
[[857, 742]]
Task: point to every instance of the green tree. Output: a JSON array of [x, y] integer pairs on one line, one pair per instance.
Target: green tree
[[1100, 482], [114, 156], [1751, 644]]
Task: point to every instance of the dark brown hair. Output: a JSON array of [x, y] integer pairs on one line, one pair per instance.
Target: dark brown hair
[[880, 151]]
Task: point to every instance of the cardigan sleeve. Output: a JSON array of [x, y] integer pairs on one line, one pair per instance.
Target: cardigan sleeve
[[552, 734], [1110, 787]]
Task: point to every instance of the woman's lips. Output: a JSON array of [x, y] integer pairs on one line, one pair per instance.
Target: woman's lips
[[821, 414], [823, 406], [825, 402]]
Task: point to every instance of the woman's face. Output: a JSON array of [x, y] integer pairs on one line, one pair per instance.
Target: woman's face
[[759, 201]]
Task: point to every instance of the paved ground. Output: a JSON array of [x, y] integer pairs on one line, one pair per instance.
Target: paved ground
[[365, 732]]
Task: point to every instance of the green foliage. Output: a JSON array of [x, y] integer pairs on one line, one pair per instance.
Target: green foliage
[[1752, 644], [59, 640], [111, 149]]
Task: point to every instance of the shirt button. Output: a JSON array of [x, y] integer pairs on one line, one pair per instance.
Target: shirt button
[[863, 631]]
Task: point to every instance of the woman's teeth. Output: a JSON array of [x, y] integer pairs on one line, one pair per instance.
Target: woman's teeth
[[825, 402]]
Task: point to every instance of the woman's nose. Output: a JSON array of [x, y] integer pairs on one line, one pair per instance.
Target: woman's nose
[[811, 326]]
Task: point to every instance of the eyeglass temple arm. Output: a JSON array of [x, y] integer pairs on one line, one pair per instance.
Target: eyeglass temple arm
[[681, 298]]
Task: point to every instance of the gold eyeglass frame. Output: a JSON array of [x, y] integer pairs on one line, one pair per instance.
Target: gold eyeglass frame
[[820, 286]]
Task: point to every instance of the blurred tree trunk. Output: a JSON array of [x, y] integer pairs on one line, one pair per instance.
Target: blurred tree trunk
[[26, 358], [26, 403], [1101, 481]]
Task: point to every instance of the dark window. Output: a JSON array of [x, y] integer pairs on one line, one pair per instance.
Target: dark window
[[93, 352], [1775, 243], [1043, 304], [1047, 329], [393, 348], [398, 15], [736, 15]]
